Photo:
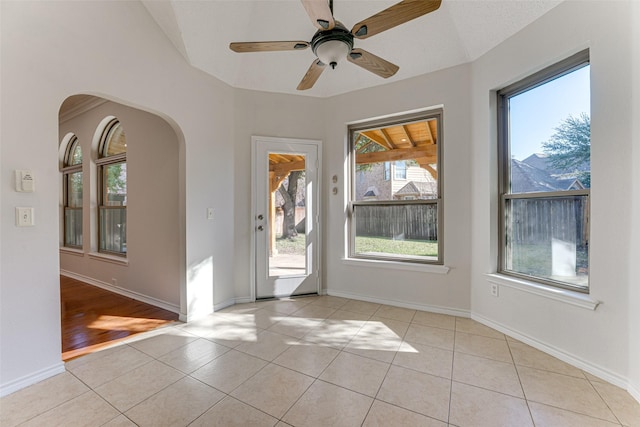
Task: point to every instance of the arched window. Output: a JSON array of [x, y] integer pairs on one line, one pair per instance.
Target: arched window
[[112, 190], [72, 193]]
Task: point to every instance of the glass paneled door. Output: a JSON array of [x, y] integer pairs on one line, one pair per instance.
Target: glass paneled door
[[286, 217]]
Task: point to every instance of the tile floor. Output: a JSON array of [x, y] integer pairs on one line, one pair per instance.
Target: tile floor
[[321, 361]]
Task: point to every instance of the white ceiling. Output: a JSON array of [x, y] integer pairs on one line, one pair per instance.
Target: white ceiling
[[460, 31]]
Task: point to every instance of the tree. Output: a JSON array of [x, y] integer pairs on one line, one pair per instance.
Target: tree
[[290, 195], [569, 148]]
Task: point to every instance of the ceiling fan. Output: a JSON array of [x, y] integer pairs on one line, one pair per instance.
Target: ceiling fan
[[333, 41]]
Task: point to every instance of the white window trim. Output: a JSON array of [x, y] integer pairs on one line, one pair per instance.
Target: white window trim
[[578, 299], [114, 259], [397, 265]]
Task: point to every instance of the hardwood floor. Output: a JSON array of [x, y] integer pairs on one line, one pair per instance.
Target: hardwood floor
[[93, 318]]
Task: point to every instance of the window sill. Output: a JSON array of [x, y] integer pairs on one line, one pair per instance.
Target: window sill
[[396, 265], [71, 251], [563, 295], [109, 258]]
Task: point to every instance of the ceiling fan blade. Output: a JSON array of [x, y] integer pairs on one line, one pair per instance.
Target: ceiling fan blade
[[373, 63], [395, 15], [244, 47], [312, 75], [320, 13]]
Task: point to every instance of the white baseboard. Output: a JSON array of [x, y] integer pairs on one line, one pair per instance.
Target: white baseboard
[[122, 291], [224, 304], [634, 391], [423, 307], [569, 358], [35, 377], [243, 300]]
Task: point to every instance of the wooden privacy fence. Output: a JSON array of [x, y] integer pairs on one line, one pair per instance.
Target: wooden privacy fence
[[533, 221], [411, 222]]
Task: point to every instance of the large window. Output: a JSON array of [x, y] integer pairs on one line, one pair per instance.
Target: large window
[[397, 216], [72, 194], [112, 190], [544, 170]]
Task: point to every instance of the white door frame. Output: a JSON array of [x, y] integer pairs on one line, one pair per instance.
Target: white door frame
[[254, 204]]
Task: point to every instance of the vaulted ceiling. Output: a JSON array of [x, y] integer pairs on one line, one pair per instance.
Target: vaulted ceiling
[[459, 31]]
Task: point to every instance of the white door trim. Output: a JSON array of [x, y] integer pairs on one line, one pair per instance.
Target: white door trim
[[254, 207]]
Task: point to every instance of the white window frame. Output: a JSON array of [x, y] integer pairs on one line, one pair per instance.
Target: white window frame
[[67, 170]]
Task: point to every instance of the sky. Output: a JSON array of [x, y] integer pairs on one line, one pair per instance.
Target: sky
[[535, 114]]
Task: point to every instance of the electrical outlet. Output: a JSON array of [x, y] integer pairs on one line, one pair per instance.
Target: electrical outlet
[[494, 289], [209, 213]]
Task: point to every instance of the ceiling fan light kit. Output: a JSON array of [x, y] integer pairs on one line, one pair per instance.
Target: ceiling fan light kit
[[333, 42]]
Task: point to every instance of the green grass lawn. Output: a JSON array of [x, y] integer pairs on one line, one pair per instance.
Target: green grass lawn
[[291, 246], [397, 247]]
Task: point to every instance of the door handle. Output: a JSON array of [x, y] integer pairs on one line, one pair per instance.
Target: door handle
[[260, 228]]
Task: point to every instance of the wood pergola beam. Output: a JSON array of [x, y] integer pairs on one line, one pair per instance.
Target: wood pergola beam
[[406, 133], [283, 169], [397, 154], [378, 140]]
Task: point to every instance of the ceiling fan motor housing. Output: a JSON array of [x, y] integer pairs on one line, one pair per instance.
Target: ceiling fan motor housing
[[332, 45]]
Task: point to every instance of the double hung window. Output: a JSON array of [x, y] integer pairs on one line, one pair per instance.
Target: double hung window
[[72, 194], [112, 190], [544, 176], [396, 193]]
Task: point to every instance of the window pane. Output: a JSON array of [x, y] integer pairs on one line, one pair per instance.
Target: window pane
[[548, 238], [75, 154], [113, 230], [114, 181], [115, 142], [402, 230], [74, 190], [411, 148], [549, 136], [73, 227]]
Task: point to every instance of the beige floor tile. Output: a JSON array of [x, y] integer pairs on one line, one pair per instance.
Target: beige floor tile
[[312, 311], [129, 389], [386, 326], [487, 373], [363, 307], [478, 345], [350, 317], [88, 409], [563, 391], [38, 398], [623, 405], [229, 330], [176, 405], [273, 390], [477, 407], [416, 391], [330, 301], [296, 327], [307, 358], [435, 320], [120, 421], [229, 370], [548, 416], [395, 313], [163, 342], [325, 404], [284, 306], [104, 369], [435, 337], [268, 345], [424, 358], [244, 308], [471, 326], [193, 355], [593, 378], [384, 415], [381, 345], [526, 355], [332, 333], [231, 412], [356, 373]]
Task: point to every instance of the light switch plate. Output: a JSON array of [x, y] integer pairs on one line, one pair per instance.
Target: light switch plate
[[24, 217]]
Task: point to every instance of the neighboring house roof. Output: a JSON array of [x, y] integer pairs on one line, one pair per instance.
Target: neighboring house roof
[[526, 178], [416, 188], [541, 161]]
